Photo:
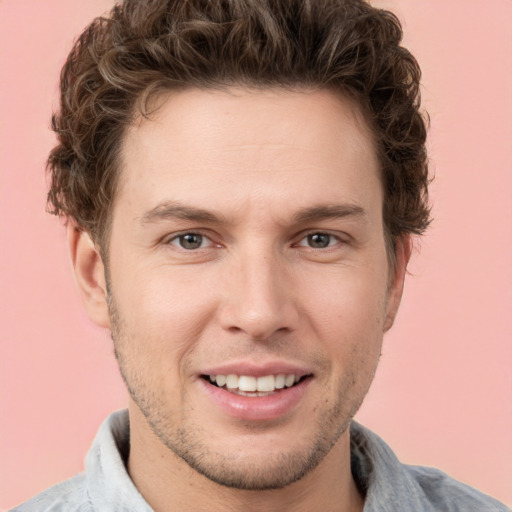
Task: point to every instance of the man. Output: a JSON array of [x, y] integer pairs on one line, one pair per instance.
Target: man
[[241, 182]]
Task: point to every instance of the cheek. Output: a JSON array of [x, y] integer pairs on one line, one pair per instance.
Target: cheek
[[351, 296], [347, 311], [163, 314]]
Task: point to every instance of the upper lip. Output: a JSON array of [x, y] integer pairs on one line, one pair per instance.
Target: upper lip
[[257, 370]]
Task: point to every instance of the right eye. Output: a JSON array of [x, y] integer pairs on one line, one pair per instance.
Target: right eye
[[190, 241]]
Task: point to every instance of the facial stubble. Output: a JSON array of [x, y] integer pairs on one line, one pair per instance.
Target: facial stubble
[[188, 440]]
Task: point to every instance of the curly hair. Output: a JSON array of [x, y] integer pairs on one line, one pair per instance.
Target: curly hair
[[145, 47]]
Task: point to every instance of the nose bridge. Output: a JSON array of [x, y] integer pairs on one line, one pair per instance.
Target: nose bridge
[[259, 300]]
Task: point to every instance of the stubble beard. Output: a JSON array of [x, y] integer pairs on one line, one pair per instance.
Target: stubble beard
[[189, 441]]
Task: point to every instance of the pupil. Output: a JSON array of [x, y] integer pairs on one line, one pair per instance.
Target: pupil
[[319, 240], [191, 241]]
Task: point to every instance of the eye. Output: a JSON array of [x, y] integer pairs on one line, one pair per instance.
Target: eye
[[190, 241], [319, 240]]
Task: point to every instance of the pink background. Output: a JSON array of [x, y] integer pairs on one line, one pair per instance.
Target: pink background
[[443, 392]]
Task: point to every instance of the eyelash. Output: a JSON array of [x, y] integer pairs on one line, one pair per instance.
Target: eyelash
[[336, 238], [176, 238]]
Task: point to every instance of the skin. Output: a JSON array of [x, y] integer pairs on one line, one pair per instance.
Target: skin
[[254, 292]]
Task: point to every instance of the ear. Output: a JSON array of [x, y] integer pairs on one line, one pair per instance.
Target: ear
[[403, 251], [89, 274]]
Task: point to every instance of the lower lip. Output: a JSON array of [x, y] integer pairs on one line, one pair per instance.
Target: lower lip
[[258, 408]]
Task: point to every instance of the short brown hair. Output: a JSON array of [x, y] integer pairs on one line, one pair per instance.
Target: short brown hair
[[148, 46]]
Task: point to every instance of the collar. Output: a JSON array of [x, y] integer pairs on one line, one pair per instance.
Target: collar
[[388, 485]]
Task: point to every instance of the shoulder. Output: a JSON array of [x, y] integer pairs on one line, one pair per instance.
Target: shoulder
[[451, 495], [105, 485], [68, 496], [391, 486]]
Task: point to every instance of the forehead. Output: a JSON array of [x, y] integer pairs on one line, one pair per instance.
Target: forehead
[[239, 147]]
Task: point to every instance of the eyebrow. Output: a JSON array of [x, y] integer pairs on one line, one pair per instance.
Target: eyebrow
[[170, 210], [325, 212]]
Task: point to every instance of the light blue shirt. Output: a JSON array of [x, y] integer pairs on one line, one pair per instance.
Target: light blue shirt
[[389, 485]]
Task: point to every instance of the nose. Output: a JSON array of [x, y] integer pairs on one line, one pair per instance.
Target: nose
[[258, 297]]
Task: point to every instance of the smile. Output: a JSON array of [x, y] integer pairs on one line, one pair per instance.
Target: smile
[[248, 385]]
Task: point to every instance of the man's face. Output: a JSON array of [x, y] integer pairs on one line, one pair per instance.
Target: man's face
[[247, 241]]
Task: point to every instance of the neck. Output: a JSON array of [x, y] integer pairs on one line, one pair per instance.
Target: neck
[[167, 483]]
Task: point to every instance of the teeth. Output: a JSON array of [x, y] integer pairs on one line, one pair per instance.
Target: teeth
[[232, 381], [280, 380], [250, 384], [246, 383], [266, 383], [221, 380]]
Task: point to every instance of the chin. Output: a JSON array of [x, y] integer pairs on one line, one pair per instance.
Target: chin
[[268, 465], [256, 472]]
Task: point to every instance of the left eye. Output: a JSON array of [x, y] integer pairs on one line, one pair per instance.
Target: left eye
[[190, 241], [319, 240]]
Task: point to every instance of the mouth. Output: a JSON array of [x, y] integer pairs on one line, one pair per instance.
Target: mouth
[[257, 394], [252, 386]]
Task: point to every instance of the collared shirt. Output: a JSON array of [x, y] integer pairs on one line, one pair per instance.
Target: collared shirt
[[387, 484]]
